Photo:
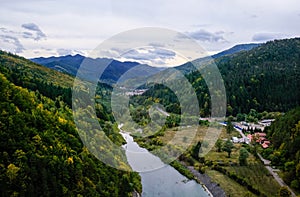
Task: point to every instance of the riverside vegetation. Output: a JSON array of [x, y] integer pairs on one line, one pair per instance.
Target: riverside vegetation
[[260, 83], [41, 153]]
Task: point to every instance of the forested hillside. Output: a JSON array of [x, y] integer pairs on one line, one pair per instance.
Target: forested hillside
[[285, 150], [41, 153], [266, 78], [27, 74]]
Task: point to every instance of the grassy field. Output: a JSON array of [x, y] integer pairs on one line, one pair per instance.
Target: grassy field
[[230, 187], [254, 173], [258, 176]]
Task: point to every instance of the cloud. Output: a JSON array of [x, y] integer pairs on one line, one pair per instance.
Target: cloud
[[149, 54], [152, 56], [206, 36], [33, 28], [5, 30], [156, 44], [62, 52], [27, 35], [260, 37], [14, 41]]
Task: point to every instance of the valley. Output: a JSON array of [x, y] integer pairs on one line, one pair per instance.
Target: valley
[[44, 152]]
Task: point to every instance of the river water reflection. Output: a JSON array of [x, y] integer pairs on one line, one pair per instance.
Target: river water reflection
[[159, 179]]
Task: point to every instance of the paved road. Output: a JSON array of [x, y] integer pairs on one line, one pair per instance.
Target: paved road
[[240, 131], [274, 174]]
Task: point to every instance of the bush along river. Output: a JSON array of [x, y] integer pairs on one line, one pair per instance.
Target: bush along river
[[158, 178]]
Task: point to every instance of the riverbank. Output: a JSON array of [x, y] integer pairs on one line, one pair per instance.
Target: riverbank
[[136, 194], [213, 188], [162, 181]]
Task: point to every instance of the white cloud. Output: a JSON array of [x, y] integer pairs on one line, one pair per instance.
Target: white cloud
[[206, 36], [11, 43], [37, 33], [153, 56], [261, 37], [83, 25]]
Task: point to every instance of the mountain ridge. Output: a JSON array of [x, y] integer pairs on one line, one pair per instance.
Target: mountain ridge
[[71, 64], [236, 49]]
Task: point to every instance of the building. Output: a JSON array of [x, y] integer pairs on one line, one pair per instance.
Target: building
[[260, 138], [235, 140]]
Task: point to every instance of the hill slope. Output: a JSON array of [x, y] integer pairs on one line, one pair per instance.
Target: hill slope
[[236, 49], [27, 74], [285, 150], [265, 78], [70, 64], [189, 67], [41, 153]]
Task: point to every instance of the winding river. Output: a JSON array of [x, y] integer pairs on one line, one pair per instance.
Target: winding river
[[159, 179]]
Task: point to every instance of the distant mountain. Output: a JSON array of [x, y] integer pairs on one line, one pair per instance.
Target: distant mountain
[[70, 64], [236, 49], [190, 66], [265, 78]]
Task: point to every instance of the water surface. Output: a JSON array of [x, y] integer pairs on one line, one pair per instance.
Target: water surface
[[159, 179]]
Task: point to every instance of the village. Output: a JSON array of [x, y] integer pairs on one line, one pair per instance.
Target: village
[[251, 132]]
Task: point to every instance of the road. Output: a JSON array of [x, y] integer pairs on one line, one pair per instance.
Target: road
[[162, 111], [266, 164], [240, 131], [274, 174]]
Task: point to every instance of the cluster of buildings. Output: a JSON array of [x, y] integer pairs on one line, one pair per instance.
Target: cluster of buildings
[[136, 92], [258, 137]]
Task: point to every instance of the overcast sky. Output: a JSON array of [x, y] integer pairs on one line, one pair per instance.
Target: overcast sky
[[35, 28]]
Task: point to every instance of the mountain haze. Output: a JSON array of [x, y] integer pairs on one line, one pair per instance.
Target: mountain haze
[[70, 64]]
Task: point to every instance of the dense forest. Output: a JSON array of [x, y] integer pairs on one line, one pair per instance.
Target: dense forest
[[27, 74], [285, 150], [41, 153], [265, 78]]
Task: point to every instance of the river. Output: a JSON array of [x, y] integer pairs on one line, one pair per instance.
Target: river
[[159, 179]]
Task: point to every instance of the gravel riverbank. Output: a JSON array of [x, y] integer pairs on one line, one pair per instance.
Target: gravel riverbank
[[214, 188]]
